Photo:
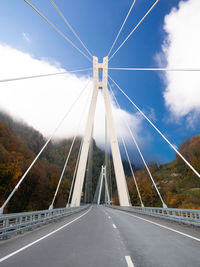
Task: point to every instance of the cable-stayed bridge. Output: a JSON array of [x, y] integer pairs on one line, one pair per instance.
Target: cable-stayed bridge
[[94, 234]]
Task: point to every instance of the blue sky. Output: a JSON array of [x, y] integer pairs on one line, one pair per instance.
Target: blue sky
[[97, 23]]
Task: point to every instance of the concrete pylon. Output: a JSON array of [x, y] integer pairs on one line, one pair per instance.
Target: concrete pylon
[[118, 167]]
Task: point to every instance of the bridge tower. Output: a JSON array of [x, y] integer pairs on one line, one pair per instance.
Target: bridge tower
[[118, 167]]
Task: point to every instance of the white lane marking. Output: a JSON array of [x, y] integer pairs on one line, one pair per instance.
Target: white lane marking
[[129, 261], [160, 225], [114, 226], [38, 240]]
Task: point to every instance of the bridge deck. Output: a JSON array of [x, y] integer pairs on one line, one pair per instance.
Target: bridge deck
[[104, 237]]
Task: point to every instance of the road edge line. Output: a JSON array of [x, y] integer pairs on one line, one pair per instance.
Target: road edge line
[[163, 226], [41, 238]]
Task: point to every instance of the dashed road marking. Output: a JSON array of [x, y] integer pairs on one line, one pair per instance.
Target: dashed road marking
[[129, 261], [114, 226]]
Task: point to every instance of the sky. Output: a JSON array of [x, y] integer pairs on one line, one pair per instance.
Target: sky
[[168, 37]]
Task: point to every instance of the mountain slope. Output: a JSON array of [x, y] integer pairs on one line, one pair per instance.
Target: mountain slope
[[19, 144], [179, 186]]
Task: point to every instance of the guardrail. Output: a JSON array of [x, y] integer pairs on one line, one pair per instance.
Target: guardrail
[[186, 216], [15, 223]]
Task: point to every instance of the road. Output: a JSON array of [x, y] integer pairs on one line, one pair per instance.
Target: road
[[101, 237]]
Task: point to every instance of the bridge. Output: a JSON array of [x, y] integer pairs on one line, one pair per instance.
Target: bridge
[[99, 233]]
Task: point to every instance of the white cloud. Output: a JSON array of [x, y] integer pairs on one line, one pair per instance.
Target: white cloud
[[42, 102], [26, 37], [181, 49]]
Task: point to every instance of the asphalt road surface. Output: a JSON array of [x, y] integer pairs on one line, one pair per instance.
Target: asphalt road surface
[[101, 237]]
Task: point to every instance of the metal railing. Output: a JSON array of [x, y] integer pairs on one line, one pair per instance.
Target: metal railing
[[187, 216], [15, 223]]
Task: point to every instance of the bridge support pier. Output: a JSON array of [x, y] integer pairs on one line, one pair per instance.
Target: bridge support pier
[[103, 178], [118, 167]]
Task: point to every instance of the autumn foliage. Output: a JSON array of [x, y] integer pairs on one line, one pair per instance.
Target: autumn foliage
[[19, 144], [178, 185]]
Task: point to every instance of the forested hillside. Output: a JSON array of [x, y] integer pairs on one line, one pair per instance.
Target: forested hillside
[[19, 144], [179, 186]]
